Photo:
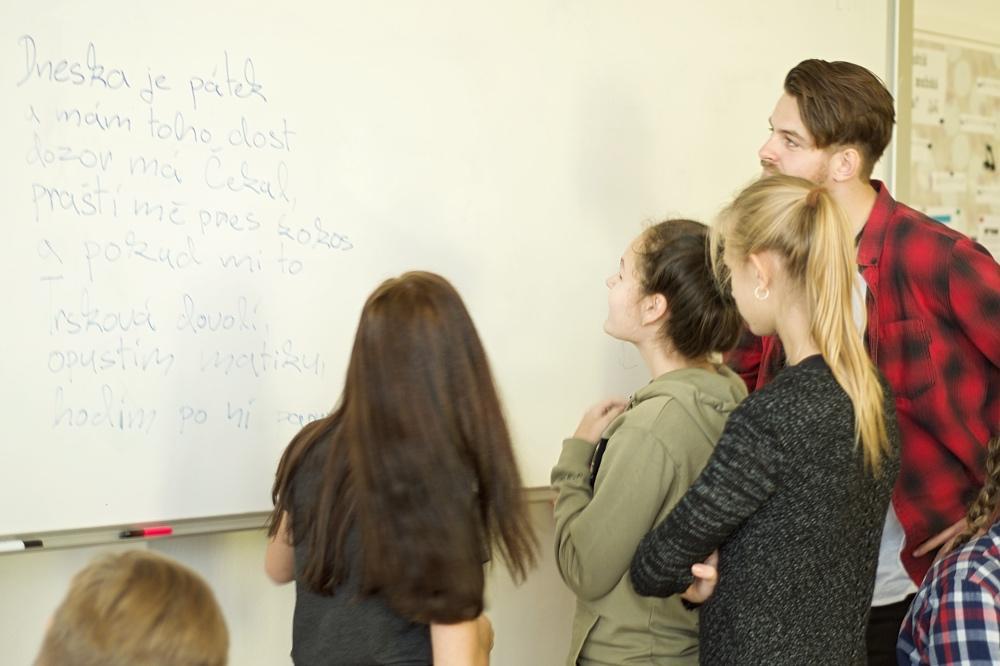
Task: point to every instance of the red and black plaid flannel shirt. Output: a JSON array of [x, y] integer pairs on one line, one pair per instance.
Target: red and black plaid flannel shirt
[[934, 332]]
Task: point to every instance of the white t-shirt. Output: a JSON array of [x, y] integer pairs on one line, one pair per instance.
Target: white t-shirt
[[892, 583]]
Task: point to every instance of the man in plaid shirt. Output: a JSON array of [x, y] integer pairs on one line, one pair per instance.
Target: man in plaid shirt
[[933, 322], [955, 617]]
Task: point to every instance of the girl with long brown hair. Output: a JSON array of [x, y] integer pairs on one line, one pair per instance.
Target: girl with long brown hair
[[795, 494], [385, 510]]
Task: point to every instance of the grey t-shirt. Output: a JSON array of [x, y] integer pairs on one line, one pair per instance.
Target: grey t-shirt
[[346, 628]]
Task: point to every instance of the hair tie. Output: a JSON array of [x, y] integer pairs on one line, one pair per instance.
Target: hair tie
[[812, 199]]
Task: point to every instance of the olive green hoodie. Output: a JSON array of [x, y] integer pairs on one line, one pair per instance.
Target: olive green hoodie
[[655, 450]]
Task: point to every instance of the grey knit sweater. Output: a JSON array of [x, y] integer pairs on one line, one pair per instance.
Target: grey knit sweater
[[797, 521]]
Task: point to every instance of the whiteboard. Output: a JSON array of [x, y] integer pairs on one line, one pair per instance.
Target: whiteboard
[[198, 196]]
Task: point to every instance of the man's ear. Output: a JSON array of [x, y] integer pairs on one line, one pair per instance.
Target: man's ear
[[845, 164]]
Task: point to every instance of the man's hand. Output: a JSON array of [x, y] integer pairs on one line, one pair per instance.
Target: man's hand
[[946, 538]]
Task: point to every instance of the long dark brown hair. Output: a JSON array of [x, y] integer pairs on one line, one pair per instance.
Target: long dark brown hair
[[420, 462], [674, 260]]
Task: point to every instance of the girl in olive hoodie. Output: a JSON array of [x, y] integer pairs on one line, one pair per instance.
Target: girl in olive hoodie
[[629, 463]]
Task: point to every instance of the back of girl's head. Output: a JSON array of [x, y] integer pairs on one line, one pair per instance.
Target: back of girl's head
[[136, 609], [421, 461], [777, 214], [673, 260], [801, 224], [416, 342]]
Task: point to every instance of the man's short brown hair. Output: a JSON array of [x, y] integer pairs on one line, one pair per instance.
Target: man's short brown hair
[[136, 608], [843, 104]]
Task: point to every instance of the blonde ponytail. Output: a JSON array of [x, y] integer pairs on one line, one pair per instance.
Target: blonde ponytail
[[831, 279], [803, 224]]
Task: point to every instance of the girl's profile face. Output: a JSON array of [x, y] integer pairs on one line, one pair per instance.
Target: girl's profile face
[[624, 297]]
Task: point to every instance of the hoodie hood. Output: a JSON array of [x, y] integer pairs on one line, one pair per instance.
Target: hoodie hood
[[702, 393]]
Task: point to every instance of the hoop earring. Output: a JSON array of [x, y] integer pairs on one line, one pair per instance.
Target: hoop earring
[[761, 293]]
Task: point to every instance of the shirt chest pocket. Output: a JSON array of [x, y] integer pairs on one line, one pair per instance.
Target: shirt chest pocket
[[904, 357]]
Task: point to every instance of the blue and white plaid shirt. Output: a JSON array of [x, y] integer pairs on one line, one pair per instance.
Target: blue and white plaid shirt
[[955, 617]]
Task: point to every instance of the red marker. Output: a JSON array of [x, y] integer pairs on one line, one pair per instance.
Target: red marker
[[158, 530]]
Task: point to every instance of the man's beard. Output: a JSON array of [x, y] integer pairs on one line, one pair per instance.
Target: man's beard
[[819, 177]]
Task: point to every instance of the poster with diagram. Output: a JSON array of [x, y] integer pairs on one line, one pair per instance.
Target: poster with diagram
[[955, 135]]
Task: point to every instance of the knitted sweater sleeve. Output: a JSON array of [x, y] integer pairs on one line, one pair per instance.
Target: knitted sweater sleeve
[[739, 478]]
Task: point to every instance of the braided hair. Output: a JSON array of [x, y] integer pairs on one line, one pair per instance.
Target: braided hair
[[983, 510]]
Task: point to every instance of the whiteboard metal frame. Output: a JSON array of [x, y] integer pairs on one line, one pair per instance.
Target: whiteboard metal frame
[[240, 522]]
